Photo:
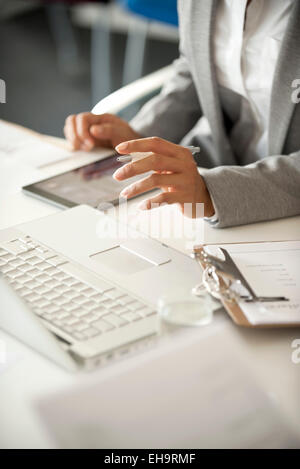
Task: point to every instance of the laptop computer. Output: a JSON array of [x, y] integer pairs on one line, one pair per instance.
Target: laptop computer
[[82, 288]]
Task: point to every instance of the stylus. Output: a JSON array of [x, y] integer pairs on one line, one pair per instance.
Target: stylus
[[139, 156]]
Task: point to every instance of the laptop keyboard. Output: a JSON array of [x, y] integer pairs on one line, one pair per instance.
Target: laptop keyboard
[[66, 296]]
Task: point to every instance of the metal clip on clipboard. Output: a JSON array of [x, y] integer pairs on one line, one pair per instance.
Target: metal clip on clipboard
[[223, 279]]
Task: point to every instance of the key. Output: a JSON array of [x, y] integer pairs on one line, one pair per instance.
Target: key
[[52, 309], [45, 255], [43, 278], [90, 332], [12, 274], [57, 261], [130, 316], [85, 276], [70, 307], [116, 321], [81, 326], [89, 292], [102, 326], [51, 283], [51, 295], [79, 313], [41, 303], [32, 284], [146, 311], [28, 268], [114, 294], [32, 297], [43, 266], [34, 260], [61, 300], [89, 305], [125, 300]]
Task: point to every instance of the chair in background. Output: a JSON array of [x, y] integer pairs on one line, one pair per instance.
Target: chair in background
[[145, 12]]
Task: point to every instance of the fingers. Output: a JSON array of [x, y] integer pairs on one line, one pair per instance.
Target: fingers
[[162, 198], [103, 131], [155, 145], [151, 182], [77, 128], [70, 132], [154, 162]]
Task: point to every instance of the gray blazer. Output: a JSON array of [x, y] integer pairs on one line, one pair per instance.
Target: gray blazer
[[243, 190]]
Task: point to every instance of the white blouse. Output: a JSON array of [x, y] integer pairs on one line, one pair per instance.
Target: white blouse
[[246, 48]]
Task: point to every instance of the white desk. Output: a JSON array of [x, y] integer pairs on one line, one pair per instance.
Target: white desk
[[29, 375]]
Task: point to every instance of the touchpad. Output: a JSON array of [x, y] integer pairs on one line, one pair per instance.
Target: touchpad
[[121, 261]]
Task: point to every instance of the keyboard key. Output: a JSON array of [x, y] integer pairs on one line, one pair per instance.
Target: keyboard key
[[52, 309], [90, 332], [59, 275], [41, 289], [80, 312], [70, 281], [32, 297], [89, 305], [61, 289], [7, 257], [12, 274], [15, 247], [34, 260], [57, 261], [53, 272], [71, 294], [41, 303], [24, 278], [114, 320], [125, 300], [32, 284], [80, 300], [115, 294], [51, 294], [7, 268], [89, 317], [50, 282], [70, 307], [103, 326], [28, 268], [99, 311], [99, 298], [44, 266], [130, 316], [23, 291], [80, 327], [89, 292], [16, 262], [43, 278], [61, 300], [45, 255], [35, 273], [146, 311], [85, 276]]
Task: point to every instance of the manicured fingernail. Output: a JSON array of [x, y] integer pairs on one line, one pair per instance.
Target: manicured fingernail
[[143, 205], [88, 144], [122, 147], [124, 193]]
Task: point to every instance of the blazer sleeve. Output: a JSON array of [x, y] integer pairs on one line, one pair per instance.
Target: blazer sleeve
[[264, 190], [172, 113]]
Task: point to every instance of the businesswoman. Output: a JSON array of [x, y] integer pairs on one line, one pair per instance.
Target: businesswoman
[[239, 66]]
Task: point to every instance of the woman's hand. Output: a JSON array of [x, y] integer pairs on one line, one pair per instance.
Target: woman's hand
[[86, 130], [175, 172]]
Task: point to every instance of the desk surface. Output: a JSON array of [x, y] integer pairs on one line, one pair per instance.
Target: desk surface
[[29, 376]]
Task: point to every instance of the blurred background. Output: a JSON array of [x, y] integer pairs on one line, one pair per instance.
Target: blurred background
[[61, 57]]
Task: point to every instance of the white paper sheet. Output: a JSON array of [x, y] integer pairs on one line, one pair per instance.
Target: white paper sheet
[[271, 269], [195, 392]]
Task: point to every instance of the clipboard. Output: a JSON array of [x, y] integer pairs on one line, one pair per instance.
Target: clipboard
[[220, 275]]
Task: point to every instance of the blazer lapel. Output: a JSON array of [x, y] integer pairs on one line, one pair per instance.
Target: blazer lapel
[[201, 43], [287, 70]]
